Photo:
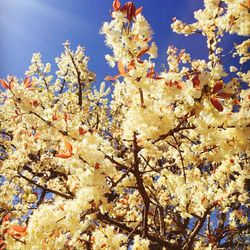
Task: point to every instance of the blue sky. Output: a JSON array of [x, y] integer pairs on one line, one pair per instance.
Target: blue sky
[[29, 26]]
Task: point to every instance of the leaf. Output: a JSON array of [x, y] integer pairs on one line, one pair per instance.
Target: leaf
[[121, 68], [35, 103], [216, 103], [68, 146], [4, 84], [142, 52], [196, 82], [138, 11], [37, 136], [63, 155], [27, 82], [217, 87], [97, 166], [129, 9], [19, 229], [116, 5], [54, 117], [6, 217], [131, 64], [82, 131]]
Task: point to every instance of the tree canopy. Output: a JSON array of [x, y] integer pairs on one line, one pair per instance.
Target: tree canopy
[[149, 160]]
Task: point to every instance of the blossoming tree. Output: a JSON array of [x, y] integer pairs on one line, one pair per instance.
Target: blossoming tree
[[162, 164]]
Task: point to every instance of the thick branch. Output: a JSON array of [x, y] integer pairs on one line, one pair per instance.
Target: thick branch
[[140, 185]]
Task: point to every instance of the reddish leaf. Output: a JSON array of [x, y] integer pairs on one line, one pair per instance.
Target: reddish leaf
[[129, 9], [103, 245], [216, 103], [97, 166], [138, 11], [35, 103], [6, 217], [27, 82], [4, 84], [121, 68], [224, 95], [19, 229], [116, 5], [131, 64], [54, 117], [142, 52], [82, 131], [203, 200], [147, 39], [111, 78], [217, 87], [68, 146], [196, 82], [63, 155], [37, 136], [236, 101]]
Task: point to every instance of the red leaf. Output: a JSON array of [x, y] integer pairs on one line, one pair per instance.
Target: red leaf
[[63, 155], [6, 217], [35, 103], [216, 103], [130, 10], [196, 82], [138, 11], [27, 82], [224, 95], [217, 87], [116, 5], [82, 131], [18, 228], [4, 84], [97, 166], [131, 64]]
